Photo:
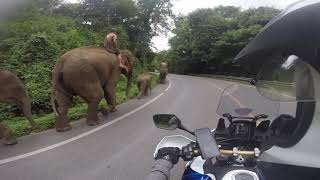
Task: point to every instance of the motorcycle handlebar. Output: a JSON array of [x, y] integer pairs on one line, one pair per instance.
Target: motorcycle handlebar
[[192, 150], [236, 152]]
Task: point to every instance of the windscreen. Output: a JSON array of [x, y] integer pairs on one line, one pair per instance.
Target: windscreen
[[245, 101], [287, 79]]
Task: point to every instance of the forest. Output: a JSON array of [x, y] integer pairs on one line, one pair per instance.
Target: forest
[[207, 40]]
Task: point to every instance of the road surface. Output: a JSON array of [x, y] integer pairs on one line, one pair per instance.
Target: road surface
[[122, 146]]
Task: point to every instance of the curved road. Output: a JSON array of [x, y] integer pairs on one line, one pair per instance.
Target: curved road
[[123, 146]]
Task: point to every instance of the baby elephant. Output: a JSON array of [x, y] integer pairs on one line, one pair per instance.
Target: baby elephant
[[144, 84], [13, 91]]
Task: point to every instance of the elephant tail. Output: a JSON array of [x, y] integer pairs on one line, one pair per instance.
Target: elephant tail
[[59, 89], [57, 77], [54, 104]]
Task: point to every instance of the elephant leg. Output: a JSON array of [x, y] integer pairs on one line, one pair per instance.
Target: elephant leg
[[92, 115], [139, 84], [92, 94], [6, 135], [105, 111], [110, 95], [25, 105], [62, 104], [150, 86], [142, 89], [146, 89], [162, 79]]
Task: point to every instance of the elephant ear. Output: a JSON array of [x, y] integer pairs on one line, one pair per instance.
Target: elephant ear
[[128, 59]]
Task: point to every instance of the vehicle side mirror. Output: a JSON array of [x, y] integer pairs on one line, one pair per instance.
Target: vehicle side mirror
[[166, 121]]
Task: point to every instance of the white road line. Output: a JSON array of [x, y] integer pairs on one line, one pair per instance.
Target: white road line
[[168, 86], [22, 156], [216, 86]]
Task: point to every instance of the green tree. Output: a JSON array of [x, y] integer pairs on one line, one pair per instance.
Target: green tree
[[261, 16], [152, 18], [229, 12], [68, 10], [229, 44], [140, 20], [180, 54], [103, 14], [196, 34], [206, 40]]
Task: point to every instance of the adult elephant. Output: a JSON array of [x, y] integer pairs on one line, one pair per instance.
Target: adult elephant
[[163, 72], [91, 73], [13, 91]]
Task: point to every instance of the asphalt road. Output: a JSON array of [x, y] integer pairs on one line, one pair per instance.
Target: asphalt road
[[122, 146]]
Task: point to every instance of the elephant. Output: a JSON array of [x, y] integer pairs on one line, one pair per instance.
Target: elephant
[[92, 73], [144, 84], [12, 90], [163, 72]]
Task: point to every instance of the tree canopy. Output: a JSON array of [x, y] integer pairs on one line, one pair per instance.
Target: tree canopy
[[206, 40]]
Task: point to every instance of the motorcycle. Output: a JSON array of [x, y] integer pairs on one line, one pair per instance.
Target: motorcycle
[[230, 151]]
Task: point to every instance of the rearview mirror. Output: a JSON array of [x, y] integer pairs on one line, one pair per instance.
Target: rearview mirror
[[166, 121]]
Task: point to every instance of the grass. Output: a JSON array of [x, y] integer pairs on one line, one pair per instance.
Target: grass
[[19, 125]]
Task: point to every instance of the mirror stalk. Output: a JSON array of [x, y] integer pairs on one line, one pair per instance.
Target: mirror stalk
[[185, 129]]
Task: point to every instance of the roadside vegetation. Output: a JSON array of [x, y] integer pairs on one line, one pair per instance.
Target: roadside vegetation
[[205, 41], [40, 31], [19, 125]]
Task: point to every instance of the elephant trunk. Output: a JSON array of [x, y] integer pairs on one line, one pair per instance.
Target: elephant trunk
[[129, 82]]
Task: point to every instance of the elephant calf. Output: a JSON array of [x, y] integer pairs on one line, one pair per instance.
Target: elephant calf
[[144, 84], [13, 91], [163, 72], [91, 73]]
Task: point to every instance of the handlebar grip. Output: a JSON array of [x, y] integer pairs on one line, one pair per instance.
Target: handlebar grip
[[190, 151]]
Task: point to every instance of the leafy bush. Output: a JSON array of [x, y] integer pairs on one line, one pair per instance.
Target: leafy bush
[[33, 47]]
